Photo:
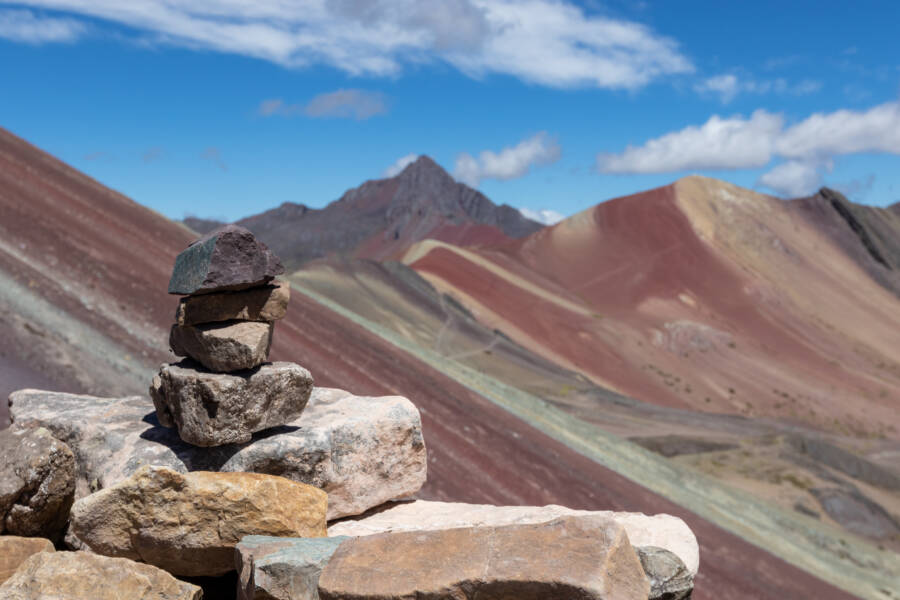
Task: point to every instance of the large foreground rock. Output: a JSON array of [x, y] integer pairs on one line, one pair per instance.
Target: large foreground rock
[[663, 531], [228, 258], [86, 576], [266, 303], [189, 524], [282, 568], [588, 558], [37, 482], [362, 451], [223, 347], [213, 409], [15, 550]]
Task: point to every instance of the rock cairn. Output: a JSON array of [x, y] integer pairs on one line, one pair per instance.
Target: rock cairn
[[225, 390], [197, 495]]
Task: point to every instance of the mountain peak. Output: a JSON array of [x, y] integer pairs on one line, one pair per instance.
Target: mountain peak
[[423, 167]]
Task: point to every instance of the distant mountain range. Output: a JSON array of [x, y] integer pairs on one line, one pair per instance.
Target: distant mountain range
[[751, 344], [381, 218]]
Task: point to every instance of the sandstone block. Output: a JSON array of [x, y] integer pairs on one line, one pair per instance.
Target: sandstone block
[[669, 578], [37, 482], [189, 524], [266, 303], [363, 451], [588, 557], [665, 531], [86, 576], [213, 409], [224, 347], [14, 550], [282, 568], [227, 258]]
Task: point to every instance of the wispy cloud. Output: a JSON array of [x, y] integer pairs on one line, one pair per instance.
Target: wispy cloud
[[544, 215], [152, 154], [727, 87], [741, 143], [26, 26], [400, 164], [548, 42], [344, 104], [214, 155], [510, 163]]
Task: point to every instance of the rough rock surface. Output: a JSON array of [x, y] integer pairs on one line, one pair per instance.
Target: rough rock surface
[[664, 531], [86, 576], [362, 451], [589, 558], [189, 524], [282, 568], [213, 409], [37, 482], [224, 347], [228, 258], [14, 550], [669, 578], [266, 303]]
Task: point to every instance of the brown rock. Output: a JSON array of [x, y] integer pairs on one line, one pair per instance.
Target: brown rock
[[37, 482], [588, 558], [86, 576], [15, 550], [228, 258], [189, 524], [224, 347], [267, 303], [213, 409]]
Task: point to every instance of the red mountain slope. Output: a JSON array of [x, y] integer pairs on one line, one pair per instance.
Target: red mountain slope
[[699, 295], [84, 273]]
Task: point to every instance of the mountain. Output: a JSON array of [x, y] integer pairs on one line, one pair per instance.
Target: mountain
[[870, 235], [202, 225], [381, 218], [83, 307]]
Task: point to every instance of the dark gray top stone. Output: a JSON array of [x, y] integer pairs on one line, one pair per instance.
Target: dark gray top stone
[[227, 258]]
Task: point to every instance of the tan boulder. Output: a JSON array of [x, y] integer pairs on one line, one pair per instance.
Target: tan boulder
[[224, 347], [86, 576], [589, 558], [664, 531], [267, 303], [189, 523], [14, 550]]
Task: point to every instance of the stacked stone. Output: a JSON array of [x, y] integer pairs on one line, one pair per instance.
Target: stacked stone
[[225, 389]]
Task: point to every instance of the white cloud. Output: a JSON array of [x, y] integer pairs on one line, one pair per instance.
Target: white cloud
[[808, 146], [728, 86], [346, 104], [549, 42], [25, 26], [793, 178], [720, 143], [400, 164], [509, 163], [544, 215]]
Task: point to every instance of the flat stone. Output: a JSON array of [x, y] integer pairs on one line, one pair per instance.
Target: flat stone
[[282, 568], [586, 557], [224, 347], [267, 303], [664, 531], [669, 577], [213, 409], [14, 550], [363, 451], [86, 576], [189, 523], [227, 258], [37, 482]]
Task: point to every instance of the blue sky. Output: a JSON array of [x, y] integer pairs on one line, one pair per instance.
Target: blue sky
[[226, 108]]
